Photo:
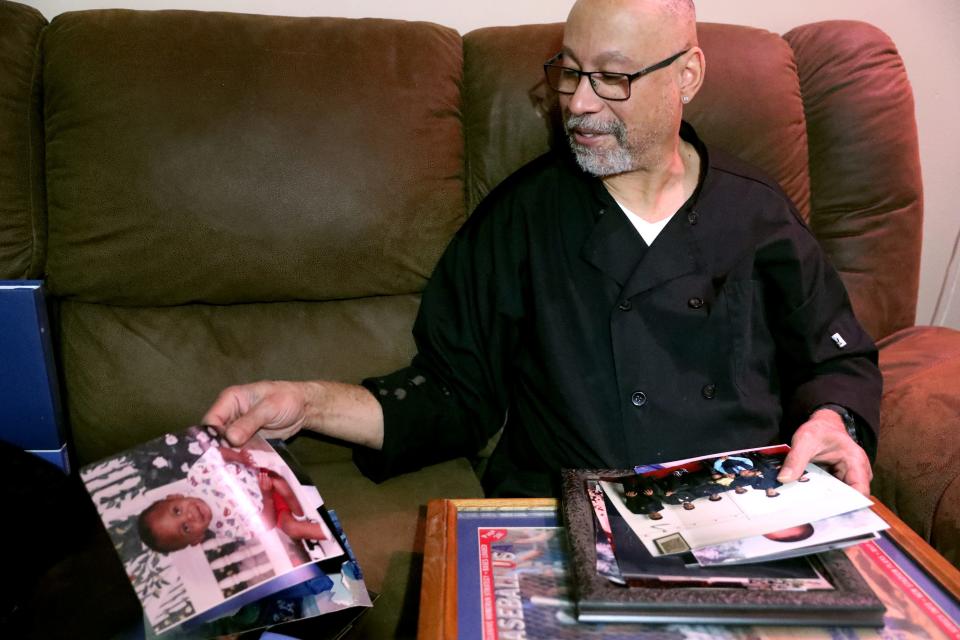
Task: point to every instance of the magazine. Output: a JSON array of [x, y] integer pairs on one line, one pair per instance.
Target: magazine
[[217, 539]]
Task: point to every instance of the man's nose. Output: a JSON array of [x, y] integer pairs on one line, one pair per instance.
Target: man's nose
[[585, 99]]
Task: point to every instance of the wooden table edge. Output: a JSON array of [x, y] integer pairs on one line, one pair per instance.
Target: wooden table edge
[[920, 550], [438, 591]]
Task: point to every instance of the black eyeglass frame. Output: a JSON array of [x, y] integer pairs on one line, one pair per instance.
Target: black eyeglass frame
[[630, 77]]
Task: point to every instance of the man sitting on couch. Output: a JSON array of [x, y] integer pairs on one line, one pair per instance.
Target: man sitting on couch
[[640, 298]]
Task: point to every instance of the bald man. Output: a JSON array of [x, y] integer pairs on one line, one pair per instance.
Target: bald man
[[636, 298]]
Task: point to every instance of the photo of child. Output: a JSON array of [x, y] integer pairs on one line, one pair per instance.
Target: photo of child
[[204, 528], [230, 497]]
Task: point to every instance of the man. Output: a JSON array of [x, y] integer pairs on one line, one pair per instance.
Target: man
[[643, 495], [644, 300]]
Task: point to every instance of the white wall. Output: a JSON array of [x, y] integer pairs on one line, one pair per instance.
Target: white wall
[[925, 33]]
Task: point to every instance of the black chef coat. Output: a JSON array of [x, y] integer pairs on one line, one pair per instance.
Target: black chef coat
[[549, 316]]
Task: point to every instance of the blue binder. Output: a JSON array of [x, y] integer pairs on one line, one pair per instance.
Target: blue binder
[[30, 410]]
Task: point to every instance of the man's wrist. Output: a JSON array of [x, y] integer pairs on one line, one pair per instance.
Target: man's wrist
[[345, 411], [849, 421]]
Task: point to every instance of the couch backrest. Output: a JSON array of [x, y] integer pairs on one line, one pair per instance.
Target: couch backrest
[[866, 187], [234, 197], [827, 110], [22, 212]]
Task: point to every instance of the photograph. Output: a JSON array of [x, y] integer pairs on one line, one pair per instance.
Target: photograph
[[638, 567], [811, 537], [203, 528], [716, 499]]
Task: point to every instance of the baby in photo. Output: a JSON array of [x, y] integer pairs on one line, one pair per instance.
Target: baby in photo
[[232, 498]]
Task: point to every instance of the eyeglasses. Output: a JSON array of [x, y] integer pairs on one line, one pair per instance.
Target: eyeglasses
[[606, 84]]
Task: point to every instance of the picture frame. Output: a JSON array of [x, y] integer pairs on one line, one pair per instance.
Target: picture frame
[[851, 601]]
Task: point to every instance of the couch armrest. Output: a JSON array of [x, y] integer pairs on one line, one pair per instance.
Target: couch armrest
[[919, 440]]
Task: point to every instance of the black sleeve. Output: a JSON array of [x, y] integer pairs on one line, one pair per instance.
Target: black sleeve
[[454, 395], [825, 354]]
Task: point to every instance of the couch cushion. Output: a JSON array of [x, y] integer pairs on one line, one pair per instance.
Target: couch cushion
[[503, 74], [945, 534], [135, 373], [867, 207], [918, 444], [22, 219], [508, 116], [232, 158]]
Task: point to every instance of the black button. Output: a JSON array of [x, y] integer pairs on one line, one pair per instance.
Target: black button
[[601, 212], [639, 398], [709, 391], [695, 303], [626, 305], [692, 217]]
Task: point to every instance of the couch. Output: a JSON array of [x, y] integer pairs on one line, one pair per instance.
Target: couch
[[215, 198]]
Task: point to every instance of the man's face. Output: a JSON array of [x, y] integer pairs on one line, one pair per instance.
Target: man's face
[[612, 137], [179, 521]]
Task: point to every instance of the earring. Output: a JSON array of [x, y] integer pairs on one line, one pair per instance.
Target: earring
[[685, 99]]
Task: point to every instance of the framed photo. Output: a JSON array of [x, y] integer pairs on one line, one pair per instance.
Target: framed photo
[[920, 590]]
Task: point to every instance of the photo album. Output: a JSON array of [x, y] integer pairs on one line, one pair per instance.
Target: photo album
[[218, 539]]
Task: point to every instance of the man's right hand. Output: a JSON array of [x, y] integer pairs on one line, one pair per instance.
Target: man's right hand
[[277, 408], [280, 409]]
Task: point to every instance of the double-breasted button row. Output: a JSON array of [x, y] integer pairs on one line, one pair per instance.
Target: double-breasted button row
[[693, 303], [639, 398]]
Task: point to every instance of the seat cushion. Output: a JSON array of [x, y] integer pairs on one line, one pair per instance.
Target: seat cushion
[[916, 472]]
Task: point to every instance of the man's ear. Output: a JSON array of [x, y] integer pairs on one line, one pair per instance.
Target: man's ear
[[692, 73]]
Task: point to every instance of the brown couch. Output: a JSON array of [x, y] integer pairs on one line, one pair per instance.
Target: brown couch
[[215, 198]]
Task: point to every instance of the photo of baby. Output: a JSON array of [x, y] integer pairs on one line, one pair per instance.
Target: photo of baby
[[204, 528], [230, 497]]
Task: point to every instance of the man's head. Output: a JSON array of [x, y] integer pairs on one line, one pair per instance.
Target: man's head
[[610, 137], [174, 523]]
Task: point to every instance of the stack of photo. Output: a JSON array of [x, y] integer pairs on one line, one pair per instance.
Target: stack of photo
[[218, 540], [719, 537]]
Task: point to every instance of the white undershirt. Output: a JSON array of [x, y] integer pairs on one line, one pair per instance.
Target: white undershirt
[[647, 230]]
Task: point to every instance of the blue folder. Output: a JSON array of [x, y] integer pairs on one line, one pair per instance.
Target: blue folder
[[30, 410]]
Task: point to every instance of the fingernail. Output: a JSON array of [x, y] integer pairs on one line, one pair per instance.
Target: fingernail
[[785, 476]]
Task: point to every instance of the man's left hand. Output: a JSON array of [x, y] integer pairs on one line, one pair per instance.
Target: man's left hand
[[824, 439]]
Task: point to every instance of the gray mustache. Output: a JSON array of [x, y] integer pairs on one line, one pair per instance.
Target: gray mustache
[[592, 125]]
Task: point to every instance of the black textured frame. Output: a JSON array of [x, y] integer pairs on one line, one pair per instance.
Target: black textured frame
[[850, 603]]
